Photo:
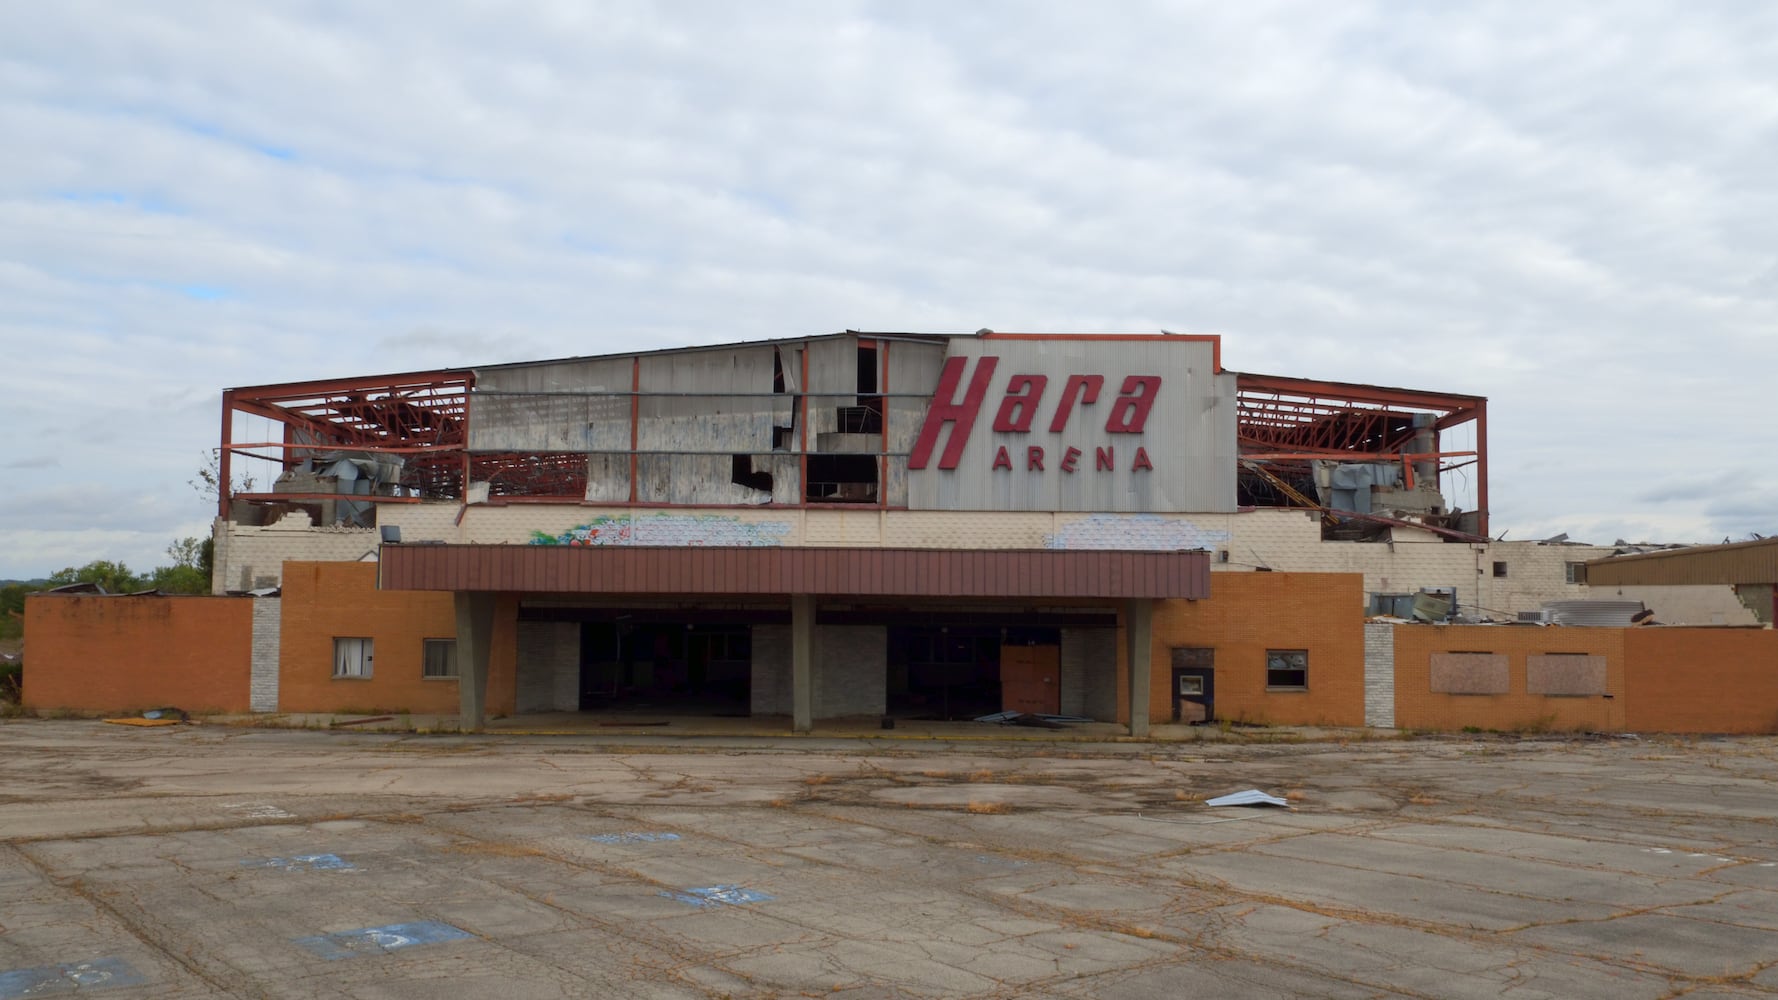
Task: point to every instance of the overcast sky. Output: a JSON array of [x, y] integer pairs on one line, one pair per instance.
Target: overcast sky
[[1569, 208]]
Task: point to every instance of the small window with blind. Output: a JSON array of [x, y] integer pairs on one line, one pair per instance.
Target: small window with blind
[[438, 659], [352, 658]]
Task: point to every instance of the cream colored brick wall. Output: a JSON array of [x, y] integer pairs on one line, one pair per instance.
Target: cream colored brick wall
[[1705, 604], [1289, 541], [249, 557], [1282, 540]]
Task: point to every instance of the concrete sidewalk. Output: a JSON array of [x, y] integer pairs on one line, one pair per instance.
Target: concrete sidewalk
[[668, 725]]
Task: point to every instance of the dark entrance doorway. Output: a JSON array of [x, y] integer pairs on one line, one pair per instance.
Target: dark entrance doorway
[[958, 671], [690, 669], [1194, 684]]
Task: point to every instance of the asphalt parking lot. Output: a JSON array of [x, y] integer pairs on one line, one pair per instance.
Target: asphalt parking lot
[[209, 861]]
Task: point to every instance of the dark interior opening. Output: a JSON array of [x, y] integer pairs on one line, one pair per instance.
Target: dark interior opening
[[952, 672], [666, 667], [867, 368], [842, 479], [741, 473]]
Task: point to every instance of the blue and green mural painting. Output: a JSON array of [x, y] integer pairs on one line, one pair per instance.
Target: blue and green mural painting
[[669, 529]]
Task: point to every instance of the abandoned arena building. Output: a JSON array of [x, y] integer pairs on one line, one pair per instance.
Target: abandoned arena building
[[890, 526]]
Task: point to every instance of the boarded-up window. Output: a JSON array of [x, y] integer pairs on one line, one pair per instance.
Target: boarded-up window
[[1469, 673], [1573, 674]]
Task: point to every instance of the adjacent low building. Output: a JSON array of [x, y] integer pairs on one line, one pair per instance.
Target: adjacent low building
[[1730, 584]]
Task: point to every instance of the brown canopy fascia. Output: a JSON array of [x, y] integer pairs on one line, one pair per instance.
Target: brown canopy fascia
[[731, 571]]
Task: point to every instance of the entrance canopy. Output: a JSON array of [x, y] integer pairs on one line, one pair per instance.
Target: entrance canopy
[[728, 571]]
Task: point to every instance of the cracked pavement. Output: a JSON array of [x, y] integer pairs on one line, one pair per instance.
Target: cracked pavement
[[208, 862]]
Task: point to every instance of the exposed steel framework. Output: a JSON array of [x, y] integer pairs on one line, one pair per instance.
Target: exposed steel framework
[[1285, 423], [1282, 425], [421, 416]]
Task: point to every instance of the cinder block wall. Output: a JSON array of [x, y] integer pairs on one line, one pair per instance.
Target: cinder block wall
[[1248, 614], [116, 654], [249, 557], [1701, 680], [851, 670], [547, 670], [267, 619], [1089, 673], [322, 601], [1379, 675], [769, 690], [1417, 706]]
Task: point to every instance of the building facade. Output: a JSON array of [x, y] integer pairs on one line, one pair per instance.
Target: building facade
[[859, 525]]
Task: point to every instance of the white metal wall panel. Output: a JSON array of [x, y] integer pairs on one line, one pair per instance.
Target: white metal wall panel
[[913, 368], [720, 401], [578, 405], [608, 477]]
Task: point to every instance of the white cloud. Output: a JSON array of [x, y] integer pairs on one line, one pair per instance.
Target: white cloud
[[1564, 207]]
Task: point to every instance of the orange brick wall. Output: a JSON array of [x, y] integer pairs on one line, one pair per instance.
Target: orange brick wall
[[1250, 613], [1416, 707], [1701, 680], [324, 600], [117, 654]]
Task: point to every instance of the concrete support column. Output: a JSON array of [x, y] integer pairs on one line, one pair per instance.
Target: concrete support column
[[1138, 652], [475, 633], [802, 665]]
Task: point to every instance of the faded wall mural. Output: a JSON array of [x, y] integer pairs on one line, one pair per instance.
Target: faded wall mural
[[1134, 531], [669, 529]]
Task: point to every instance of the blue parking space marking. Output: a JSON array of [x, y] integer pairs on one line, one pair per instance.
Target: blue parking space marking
[[303, 863], [50, 980], [380, 940], [632, 838], [988, 859], [718, 895]]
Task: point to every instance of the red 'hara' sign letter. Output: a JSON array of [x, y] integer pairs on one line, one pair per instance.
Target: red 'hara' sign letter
[[946, 409]]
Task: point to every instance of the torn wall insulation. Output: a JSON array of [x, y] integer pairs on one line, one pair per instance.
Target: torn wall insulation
[[1348, 485]]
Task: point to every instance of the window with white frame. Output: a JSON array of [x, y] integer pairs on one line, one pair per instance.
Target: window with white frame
[[1287, 669], [352, 657], [439, 658], [1574, 572]]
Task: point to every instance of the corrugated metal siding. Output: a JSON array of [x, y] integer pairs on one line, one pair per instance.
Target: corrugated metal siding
[[1741, 562], [592, 414], [913, 367], [742, 570]]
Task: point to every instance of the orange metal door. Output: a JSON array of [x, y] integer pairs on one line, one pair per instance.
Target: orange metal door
[[1030, 679]]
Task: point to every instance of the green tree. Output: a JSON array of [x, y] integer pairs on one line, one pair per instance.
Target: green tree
[[114, 577], [12, 610], [190, 571], [180, 580]]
